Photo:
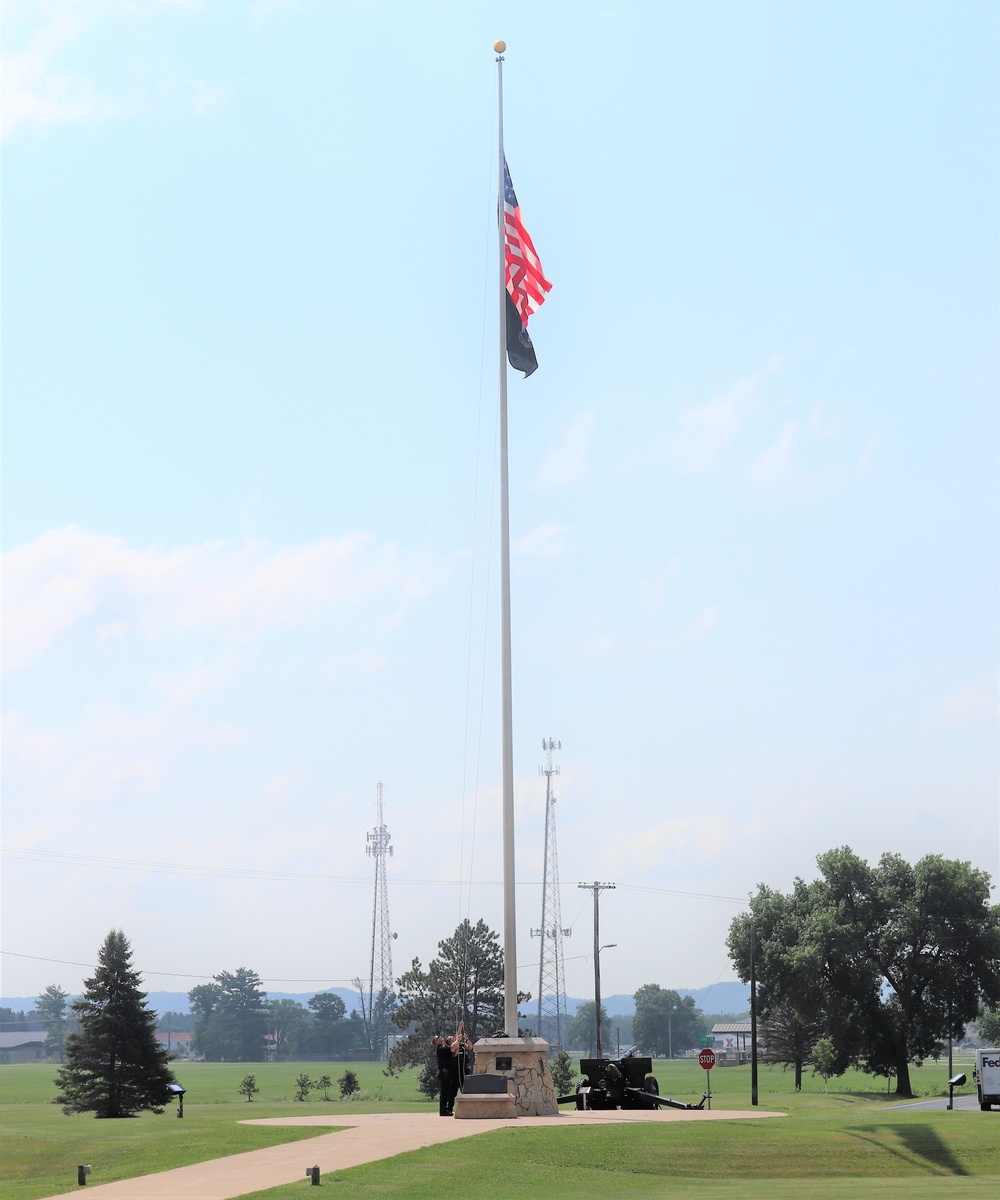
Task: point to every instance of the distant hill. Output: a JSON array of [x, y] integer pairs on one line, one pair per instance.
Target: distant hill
[[716, 998]]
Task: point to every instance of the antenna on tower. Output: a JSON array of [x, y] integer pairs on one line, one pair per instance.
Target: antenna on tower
[[551, 971], [381, 998]]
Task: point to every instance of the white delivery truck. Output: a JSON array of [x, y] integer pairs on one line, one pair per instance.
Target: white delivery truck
[[988, 1078]]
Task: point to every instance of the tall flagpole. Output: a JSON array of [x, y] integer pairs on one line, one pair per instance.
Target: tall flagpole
[[509, 922]]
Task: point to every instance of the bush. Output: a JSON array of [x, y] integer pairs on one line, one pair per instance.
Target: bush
[[563, 1073], [348, 1083], [303, 1086], [248, 1087]]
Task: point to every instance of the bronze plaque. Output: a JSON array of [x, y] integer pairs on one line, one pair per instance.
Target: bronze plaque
[[505, 1063]]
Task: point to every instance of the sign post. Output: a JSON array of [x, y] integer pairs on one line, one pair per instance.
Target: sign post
[[706, 1059]]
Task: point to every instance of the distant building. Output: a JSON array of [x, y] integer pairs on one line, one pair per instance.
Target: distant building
[[180, 1043], [23, 1047], [731, 1042]]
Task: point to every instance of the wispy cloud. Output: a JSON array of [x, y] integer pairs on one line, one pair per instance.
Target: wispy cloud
[[652, 592], [775, 461], [706, 431], [696, 630], [686, 841], [48, 78], [567, 462], [71, 577], [545, 541], [968, 705]]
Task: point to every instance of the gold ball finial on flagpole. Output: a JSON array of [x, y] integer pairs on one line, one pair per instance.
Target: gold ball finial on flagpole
[[500, 46]]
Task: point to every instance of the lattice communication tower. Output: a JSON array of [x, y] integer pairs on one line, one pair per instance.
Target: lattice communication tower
[[380, 993], [551, 971]]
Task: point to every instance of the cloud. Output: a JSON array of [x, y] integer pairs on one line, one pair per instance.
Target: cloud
[[706, 431], [545, 541], [70, 577], [685, 842], [652, 592], [776, 459], [567, 463], [868, 449], [696, 630], [967, 706], [42, 86]]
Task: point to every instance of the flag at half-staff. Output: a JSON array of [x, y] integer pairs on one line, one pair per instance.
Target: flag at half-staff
[[524, 279]]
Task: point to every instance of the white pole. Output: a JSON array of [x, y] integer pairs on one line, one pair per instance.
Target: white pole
[[509, 922]]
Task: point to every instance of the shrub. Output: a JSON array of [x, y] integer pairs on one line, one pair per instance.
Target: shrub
[[348, 1083]]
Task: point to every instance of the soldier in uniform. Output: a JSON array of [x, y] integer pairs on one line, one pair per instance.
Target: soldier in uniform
[[447, 1076]]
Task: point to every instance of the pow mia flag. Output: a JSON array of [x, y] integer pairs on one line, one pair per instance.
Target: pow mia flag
[[520, 351]]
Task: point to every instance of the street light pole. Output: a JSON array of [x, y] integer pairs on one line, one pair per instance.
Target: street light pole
[[597, 992]]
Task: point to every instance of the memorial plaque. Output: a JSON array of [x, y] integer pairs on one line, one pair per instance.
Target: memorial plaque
[[505, 1063]]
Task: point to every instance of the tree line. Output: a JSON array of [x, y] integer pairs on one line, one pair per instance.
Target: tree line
[[870, 966], [234, 1021]]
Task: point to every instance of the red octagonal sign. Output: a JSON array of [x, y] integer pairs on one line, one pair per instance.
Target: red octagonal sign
[[707, 1059]]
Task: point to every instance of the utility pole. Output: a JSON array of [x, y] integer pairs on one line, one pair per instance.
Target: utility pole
[[551, 971], [597, 888], [753, 1016]]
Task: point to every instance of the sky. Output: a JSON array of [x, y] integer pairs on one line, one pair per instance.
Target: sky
[[250, 548]]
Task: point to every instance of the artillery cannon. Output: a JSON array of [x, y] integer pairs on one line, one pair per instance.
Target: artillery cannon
[[623, 1082]]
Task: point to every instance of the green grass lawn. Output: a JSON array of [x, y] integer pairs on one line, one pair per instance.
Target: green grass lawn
[[841, 1153], [829, 1146], [40, 1146]]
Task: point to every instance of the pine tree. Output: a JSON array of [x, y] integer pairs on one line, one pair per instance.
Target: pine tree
[[114, 1066]]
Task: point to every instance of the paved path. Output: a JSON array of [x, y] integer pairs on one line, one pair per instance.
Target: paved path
[[963, 1103], [366, 1138]]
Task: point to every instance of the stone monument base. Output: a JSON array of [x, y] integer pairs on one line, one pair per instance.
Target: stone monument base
[[479, 1106], [525, 1063]]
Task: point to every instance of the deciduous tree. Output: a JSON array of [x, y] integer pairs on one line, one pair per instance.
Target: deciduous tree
[[665, 1022], [114, 1066], [582, 1033], [230, 1017], [50, 1013], [285, 1020], [989, 1028], [888, 960], [331, 1032]]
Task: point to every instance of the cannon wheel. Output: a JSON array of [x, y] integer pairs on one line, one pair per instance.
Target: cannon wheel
[[584, 1082], [650, 1085]]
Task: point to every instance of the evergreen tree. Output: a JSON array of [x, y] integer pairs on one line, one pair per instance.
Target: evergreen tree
[[463, 983], [114, 1066]]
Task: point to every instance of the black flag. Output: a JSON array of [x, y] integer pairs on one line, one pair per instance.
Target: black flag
[[520, 351]]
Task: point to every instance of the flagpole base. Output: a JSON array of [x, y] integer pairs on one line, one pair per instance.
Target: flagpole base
[[525, 1063]]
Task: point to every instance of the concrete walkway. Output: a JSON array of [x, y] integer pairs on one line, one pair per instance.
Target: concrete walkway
[[366, 1138]]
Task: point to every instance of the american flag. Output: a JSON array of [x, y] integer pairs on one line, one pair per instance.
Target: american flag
[[524, 277]]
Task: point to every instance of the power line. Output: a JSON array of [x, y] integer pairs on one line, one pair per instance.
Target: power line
[[166, 868], [65, 962]]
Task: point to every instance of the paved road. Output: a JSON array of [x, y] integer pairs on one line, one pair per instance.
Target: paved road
[[963, 1103]]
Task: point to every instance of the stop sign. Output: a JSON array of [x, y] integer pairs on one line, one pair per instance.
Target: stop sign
[[707, 1059]]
